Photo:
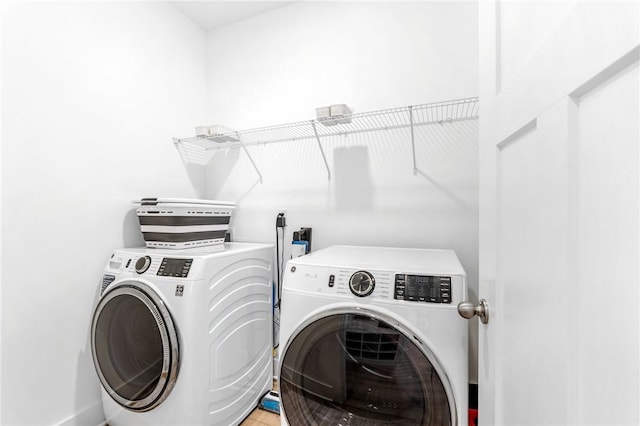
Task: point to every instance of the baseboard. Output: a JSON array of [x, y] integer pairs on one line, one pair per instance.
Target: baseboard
[[91, 416]]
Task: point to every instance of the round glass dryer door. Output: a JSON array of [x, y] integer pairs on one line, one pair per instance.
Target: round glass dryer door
[[135, 346], [359, 370]]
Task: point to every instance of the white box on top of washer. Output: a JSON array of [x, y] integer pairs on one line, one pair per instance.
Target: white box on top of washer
[[182, 223]]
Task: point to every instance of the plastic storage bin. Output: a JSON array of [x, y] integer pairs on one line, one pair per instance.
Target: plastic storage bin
[[179, 223]]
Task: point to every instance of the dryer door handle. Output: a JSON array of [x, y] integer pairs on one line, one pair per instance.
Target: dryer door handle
[[468, 310]]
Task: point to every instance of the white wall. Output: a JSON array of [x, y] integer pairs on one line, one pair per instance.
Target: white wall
[[278, 67], [92, 94], [1, 257]]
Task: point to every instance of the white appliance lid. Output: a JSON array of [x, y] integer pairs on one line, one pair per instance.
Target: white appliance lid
[[151, 201], [408, 260], [205, 251]]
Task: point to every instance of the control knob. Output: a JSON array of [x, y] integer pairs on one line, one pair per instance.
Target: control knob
[[142, 264], [362, 283]]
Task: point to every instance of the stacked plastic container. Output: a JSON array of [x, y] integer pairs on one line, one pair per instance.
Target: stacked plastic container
[[180, 223]]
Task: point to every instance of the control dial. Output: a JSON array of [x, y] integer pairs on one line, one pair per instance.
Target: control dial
[[142, 264], [362, 283]]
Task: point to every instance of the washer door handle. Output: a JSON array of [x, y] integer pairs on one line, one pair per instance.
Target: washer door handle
[[468, 310]]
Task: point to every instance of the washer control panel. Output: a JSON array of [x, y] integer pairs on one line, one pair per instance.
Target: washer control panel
[[422, 288], [351, 282]]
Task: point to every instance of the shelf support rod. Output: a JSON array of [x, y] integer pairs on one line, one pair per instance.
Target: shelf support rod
[[249, 155], [413, 141], [326, 164]]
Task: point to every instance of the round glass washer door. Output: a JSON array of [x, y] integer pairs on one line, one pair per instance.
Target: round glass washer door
[[135, 346], [357, 369]]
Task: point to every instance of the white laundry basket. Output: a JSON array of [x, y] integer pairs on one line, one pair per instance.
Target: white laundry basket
[[179, 223]]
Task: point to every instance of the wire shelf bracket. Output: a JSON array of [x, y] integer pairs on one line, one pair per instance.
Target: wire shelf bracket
[[253, 163], [413, 141], [324, 157]]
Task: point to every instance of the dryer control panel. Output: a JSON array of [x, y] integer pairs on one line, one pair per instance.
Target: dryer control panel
[[171, 267], [155, 265], [422, 288]]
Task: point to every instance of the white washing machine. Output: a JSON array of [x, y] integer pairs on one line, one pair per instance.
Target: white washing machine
[[371, 336], [184, 337]]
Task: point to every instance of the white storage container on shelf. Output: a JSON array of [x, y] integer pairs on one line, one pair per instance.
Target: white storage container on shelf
[[179, 223]]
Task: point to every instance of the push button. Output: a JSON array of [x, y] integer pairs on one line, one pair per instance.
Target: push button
[[332, 280]]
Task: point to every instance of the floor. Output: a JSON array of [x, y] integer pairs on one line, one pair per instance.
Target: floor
[[261, 417]]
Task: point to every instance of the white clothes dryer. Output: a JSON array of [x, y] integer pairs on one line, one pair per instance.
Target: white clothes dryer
[[184, 337], [371, 336]]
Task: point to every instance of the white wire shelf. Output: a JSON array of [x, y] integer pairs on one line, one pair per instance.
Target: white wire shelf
[[395, 118]]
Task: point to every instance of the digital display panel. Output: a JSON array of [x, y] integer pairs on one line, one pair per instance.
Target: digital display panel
[[423, 288], [175, 267]]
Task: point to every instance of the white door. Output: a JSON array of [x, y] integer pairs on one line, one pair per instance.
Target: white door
[[559, 190]]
